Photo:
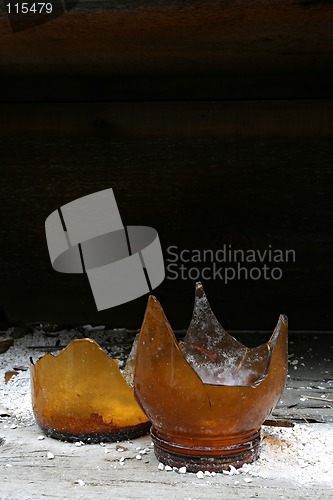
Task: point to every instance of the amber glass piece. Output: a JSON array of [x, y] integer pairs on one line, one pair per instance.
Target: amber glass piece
[[208, 396], [80, 394]]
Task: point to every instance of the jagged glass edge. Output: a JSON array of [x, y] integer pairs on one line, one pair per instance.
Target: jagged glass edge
[[270, 344], [273, 340], [34, 364], [199, 289]]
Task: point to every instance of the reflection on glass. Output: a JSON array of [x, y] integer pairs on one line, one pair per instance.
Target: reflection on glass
[[80, 394], [207, 396]]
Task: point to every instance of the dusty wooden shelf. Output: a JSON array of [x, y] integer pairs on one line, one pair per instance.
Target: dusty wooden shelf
[[88, 471]]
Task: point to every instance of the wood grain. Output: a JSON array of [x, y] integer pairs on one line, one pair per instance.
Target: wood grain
[[24, 464], [175, 49], [172, 120], [197, 193]]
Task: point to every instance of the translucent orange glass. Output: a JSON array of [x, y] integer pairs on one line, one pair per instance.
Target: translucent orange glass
[[208, 396], [80, 394]]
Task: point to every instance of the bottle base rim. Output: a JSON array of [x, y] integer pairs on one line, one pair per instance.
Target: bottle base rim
[[97, 437], [209, 459]]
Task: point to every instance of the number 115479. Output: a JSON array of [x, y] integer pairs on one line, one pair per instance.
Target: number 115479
[[29, 8]]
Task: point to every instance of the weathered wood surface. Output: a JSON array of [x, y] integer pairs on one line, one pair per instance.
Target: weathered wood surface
[[30, 475], [26, 472], [170, 49], [197, 193], [170, 120], [310, 380]]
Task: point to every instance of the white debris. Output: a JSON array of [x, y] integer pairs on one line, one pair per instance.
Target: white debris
[[90, 328], [122, 460], [207, 473], [233, 470], [262, 475], [254, 473], [168, 468], [303, 453], [248, 479], [87, 327], [245, 468], [302, 463], [200, 474], [182, 470], [80, 482], [50, 455], [160, 466], [139, 457]]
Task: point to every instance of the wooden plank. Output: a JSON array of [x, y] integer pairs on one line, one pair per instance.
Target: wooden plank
[[24, 467], [24, 464], [176, 120], [171, 50], [198, 194], [310, 376]]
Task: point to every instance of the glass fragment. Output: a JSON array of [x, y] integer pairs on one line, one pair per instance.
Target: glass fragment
[[80, 394], [207, 396]]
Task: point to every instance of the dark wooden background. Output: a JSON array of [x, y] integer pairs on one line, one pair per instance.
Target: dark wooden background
[[212, 121]]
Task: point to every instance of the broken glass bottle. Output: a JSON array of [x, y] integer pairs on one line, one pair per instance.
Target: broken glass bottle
[[81, 395], [207, 396]]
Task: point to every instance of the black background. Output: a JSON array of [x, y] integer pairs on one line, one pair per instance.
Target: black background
[[212, 122]]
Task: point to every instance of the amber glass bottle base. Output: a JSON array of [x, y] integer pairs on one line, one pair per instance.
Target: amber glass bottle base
[[122, 435], [204, 459]]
